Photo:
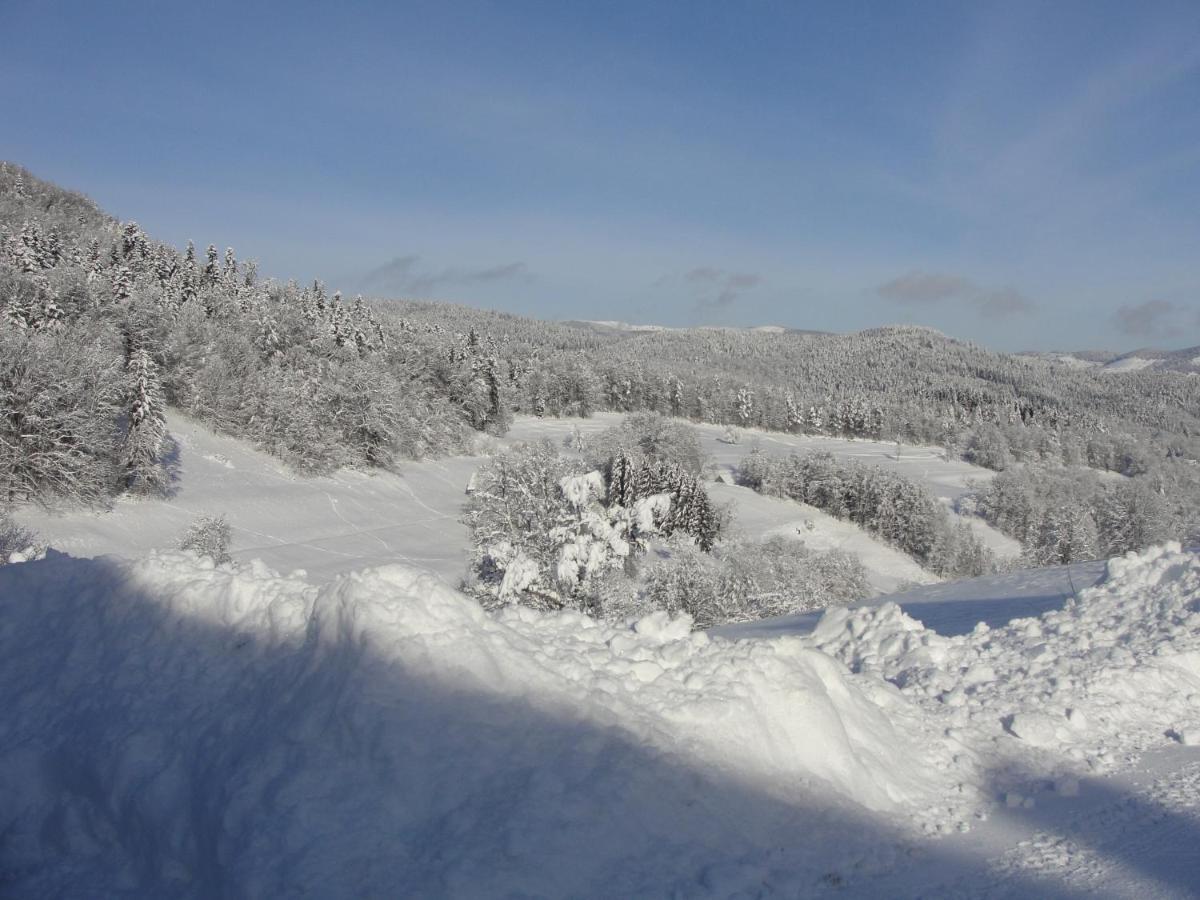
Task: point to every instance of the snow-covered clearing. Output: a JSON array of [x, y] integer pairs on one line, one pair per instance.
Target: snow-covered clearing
[[762, 517], [326, 525], [175, 729], [1126, 364]]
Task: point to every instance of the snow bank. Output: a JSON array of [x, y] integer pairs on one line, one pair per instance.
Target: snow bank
[[1116, 671], [174, 728]]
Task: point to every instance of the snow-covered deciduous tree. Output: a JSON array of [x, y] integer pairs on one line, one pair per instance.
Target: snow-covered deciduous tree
[[60, 396]]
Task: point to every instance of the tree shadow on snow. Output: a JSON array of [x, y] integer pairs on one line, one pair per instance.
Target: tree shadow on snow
[[144, 753]]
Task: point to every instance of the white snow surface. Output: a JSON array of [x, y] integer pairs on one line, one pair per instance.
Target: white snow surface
[[1127, 364], [177, 729]]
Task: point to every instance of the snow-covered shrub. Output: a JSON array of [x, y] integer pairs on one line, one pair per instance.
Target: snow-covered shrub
[[746, 581], [540, 532], [17, 543], [208, 536], [545, 534]]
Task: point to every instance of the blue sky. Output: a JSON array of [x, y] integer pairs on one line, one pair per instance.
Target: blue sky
[[1024, 175]]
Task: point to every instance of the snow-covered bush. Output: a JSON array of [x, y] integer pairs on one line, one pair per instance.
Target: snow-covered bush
[[208, 536], [17, 543], [540, 532], [546, 534], [746, 581]]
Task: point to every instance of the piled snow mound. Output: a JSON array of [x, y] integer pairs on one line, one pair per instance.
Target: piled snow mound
[[174, 728], [1114, 672]]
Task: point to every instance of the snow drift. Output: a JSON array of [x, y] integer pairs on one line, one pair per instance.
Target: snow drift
[[174, 728]]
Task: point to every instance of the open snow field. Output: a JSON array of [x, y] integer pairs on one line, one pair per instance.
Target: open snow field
[[325, 526], [175, 729]]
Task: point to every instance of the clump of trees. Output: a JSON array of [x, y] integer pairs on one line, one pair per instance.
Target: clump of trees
[[885, 503], [652, 437], [1062, 515], [546, 529], [555, 532]]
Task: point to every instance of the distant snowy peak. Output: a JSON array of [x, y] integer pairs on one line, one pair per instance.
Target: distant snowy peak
[[615, 325], [1185, 360]]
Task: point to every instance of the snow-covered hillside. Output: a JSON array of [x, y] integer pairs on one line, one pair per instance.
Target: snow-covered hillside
[[177, 729], [344, 522]]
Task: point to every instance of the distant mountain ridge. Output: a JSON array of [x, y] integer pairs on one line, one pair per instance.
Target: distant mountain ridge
[[1183, 360]]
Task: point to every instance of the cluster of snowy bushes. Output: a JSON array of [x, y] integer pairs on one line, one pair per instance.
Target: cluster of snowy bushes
[[885, 503], [743, 581], [546, 530], [552, 531], [1063, 515]]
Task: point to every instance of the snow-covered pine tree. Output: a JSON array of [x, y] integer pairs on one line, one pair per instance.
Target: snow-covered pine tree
[[212, 269], [146, 435]]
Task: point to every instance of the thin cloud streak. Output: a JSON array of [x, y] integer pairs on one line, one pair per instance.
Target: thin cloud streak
[[404, 275], [924, 289]]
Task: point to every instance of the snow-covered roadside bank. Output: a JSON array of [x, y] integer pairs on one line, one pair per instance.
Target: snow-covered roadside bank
[[175, 728]]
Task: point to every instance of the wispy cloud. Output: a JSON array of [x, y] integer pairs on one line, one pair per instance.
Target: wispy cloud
[[407, 276], [1152, 319], [925, 287], [713, 288], [933, 288]]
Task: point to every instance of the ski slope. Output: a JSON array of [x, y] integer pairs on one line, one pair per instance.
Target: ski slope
[[177, 729]]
